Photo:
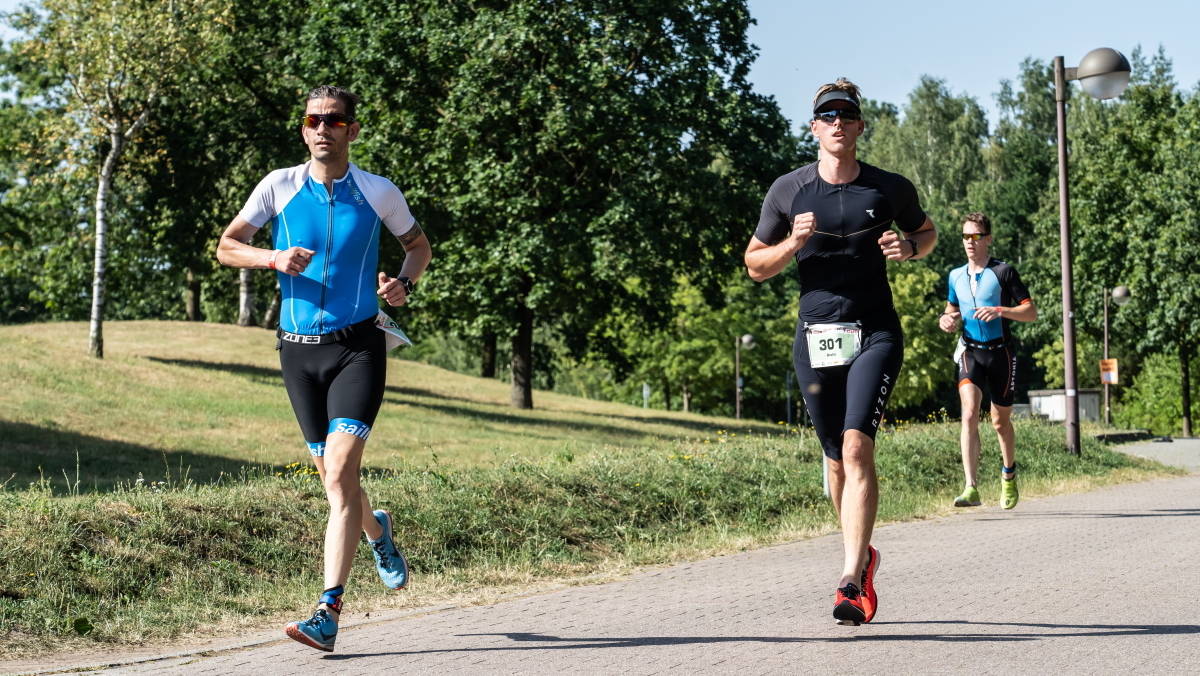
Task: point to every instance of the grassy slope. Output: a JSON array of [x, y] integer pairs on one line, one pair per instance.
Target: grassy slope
[[208, 398]]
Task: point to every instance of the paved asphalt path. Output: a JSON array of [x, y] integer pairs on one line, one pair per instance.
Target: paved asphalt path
[[1094, 583]]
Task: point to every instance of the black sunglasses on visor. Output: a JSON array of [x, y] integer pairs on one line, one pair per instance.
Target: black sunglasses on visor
[[847, 115]]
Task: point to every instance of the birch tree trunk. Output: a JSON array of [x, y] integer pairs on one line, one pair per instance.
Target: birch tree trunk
[[100, 263], [191, 297], [1185, 357], [246, 297], [271, 316]]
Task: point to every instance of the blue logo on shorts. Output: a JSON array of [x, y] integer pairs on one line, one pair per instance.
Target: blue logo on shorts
[[350, 426]]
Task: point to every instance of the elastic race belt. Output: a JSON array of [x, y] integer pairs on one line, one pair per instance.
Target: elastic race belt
[[984, 346], [326, 338]]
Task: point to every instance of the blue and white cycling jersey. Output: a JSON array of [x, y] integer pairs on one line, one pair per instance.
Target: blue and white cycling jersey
[[337, 288], [996, 284]]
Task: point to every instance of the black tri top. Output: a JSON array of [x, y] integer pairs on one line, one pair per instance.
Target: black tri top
[[843, 273]]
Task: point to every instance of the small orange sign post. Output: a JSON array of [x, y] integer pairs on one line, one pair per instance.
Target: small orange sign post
[[1108, 371]]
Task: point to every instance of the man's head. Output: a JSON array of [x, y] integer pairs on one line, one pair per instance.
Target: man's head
[[977, 235], [329, 125], [837, 118]]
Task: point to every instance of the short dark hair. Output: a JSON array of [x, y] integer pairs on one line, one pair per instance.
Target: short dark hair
[[348, 98], [980, 219]]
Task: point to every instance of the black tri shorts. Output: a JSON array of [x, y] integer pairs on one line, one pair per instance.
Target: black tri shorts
[[339, 380], [992, 370], [850, 397]]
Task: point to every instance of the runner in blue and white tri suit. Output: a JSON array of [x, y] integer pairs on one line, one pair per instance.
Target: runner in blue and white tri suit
[[328, 216], [986, 295]]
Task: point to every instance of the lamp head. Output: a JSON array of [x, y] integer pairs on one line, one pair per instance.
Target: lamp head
[[747, 341], [1104, 73], [1121, 295]]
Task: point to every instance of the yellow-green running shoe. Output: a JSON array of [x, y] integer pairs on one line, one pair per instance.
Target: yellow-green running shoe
[[969, 498], [1008, 493]]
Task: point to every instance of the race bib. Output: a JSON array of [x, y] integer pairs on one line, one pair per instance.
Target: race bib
[[393, 336], [832, 344]]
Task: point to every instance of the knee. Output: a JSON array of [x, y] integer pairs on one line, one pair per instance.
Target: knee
[[342, 485], [1001, 423], [970, 417], [857, 454]]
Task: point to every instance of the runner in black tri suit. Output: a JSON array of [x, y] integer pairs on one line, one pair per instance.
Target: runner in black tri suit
[[328, 216], [834, 218], [986, 295]]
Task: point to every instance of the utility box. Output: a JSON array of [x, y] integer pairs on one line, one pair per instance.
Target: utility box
[[1052, 404]]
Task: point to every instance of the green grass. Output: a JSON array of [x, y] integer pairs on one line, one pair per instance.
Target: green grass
[[207, 399], [106, 559]]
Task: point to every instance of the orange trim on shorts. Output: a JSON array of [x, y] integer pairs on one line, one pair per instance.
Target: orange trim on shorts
[[965, 381]]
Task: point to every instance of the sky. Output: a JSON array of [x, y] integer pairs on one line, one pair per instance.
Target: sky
[[886, 46]]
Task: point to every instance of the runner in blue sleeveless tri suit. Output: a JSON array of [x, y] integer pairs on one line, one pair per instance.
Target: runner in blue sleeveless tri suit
[[327, 218], [834, 219], [986, 295]]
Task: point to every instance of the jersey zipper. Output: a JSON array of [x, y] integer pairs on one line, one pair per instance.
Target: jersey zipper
[[325, 263], [842, 211]]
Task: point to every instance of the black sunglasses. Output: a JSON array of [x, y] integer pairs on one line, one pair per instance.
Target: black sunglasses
[[847, 115], [332, 120]]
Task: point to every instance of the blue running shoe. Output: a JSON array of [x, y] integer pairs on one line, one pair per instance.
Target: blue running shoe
[[392, 567], [319, 631]]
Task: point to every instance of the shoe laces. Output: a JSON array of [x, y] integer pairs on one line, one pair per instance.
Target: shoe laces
[[383, 552], [320, 617], [849, 591]]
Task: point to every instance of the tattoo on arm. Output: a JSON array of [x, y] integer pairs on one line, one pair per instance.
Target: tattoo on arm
[[414, 233]]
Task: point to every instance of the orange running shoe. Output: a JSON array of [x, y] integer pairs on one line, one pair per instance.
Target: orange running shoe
[[870, 598], [848, 606]]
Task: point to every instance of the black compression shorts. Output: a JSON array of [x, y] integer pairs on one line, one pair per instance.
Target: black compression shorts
[[340, 383], [994, 369], [851, 397]]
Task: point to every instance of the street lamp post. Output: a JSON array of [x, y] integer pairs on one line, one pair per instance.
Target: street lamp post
[[746, 341], [1104, 74], [1120, 296]]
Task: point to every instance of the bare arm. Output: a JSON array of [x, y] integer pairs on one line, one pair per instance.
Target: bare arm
[[417, 254], [235, 251], [1025, 312], [948, 320], [764, 261], [923, 240]]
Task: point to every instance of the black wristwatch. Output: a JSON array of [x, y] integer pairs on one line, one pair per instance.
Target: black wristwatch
[[409, 285], [913, 242]]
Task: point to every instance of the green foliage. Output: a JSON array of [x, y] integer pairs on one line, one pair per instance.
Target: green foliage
[[1152, 401], [928, 351], [622, 137], [936, 145]]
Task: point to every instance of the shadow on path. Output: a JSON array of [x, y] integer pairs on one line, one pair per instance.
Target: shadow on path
[[1153, 514], [551, 642]]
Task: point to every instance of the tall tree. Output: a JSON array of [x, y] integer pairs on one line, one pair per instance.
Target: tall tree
[[116, 62], [569, 158], [937, 145]]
